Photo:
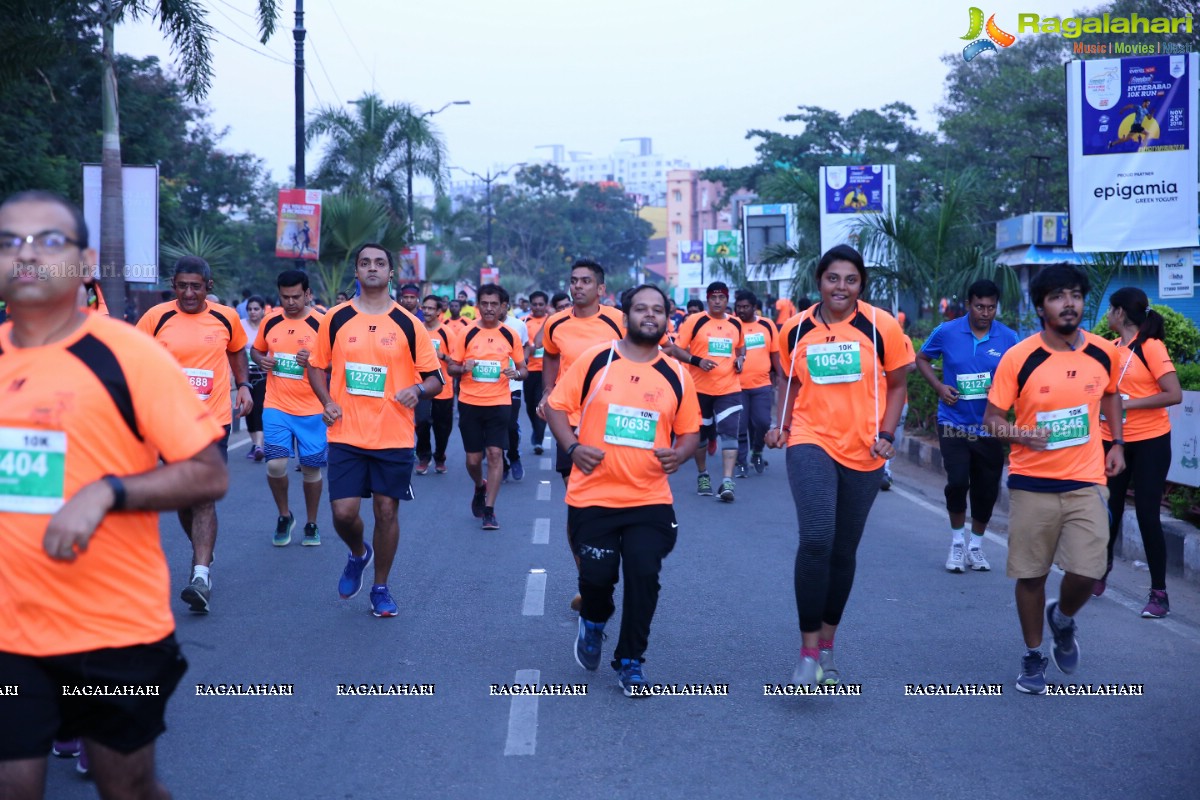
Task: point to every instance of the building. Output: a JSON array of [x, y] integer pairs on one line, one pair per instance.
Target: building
[[642, 173], [691, 210]]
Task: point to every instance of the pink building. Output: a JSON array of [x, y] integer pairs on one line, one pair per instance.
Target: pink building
[[691, 210]]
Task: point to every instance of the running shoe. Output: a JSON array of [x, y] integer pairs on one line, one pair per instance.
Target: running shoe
[[727, 488], [83, 766], [1066, 647], [704, 485], [538, 450], [250, 454], [197, 595], [631, 679], [1032, 679], [312, 536], [977, 560], [479, 500], [518, 471], [423, 467], [489, 521], [955, 562], [259, 453], [830, 675], [382, 604], [885, 483], [1158, 606], [440, 467], [283, 530], [65, 748], [756, 461], [351, 582], [589, 641], [807, 673], [740, 471]]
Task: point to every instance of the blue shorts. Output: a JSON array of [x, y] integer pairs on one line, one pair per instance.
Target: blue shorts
[[309, 432], [356, 472]]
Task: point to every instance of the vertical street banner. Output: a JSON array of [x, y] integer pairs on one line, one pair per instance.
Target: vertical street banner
[[848, 193], [720, 246], [139, 191], [1131, 131], [298, 226], [411, 265], [489, 275], [691, 264]]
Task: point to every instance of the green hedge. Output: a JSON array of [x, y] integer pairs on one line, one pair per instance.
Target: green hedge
[[1189, 376], [1182, 335], [922, 400]]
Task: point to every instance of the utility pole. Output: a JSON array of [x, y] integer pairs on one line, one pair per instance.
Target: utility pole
[[487, 183], [298, 35]]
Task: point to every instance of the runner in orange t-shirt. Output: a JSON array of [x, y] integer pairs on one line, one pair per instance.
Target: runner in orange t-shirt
[[486, 357], [371, 365], [1148, 385], [91, 405], [784, 310], [630, 402], [846, 364], [1058, 382], [713, 345], [292, 411], [435, 415], [208, 341], [539, 307], [757, 381]]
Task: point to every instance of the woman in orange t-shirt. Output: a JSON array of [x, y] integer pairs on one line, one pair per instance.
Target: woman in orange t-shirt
[[1148, 384], [846, 362]]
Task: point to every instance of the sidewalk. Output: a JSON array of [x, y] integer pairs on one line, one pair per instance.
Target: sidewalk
[[1183, 539]]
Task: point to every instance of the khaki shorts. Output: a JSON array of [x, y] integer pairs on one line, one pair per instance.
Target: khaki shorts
[[1065, 528]]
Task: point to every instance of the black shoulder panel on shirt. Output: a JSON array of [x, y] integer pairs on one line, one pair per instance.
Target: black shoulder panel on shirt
[[1098, 354], [471, 334], [508, 335], [271, 323], [163, 321], [594, 369], [405, 324], [663, 368], [311, 322], [616, 328], [698, 324], [225, 322], [550, 331], [737, 323], [1032, 362], [98, 358], [799, 332], [347, 313], [863, 324]]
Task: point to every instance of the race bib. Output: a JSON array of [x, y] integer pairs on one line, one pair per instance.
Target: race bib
[[836, 362], [286, 366], [1068, 427], [486, 371], [32, 469], [1124, 411], [365, 380], [756, 341], [539, 353], [201, 381], [974, 386], [437, 344], [631, 427], [719, 347]]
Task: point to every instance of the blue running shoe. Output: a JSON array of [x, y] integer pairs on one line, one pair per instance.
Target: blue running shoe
[[382, 604], [1066, 647], [1032, 679], [588, 644], [631, 679], [352, 576], [518, 471], [283, 530]]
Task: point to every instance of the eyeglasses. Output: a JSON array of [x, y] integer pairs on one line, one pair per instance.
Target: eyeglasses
[[44, 243]]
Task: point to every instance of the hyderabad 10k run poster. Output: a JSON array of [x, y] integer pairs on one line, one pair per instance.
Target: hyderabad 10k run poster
[[1131, 129], [847, 192], [298, 231]]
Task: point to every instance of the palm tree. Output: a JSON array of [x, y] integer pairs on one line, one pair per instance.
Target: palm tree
[[185, 23], [376, 148], [349, 220]]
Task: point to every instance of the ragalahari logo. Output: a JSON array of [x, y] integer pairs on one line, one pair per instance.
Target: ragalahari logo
[[995, 36]]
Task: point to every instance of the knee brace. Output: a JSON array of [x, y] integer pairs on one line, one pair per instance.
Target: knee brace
[[311, 474], [277, 468]]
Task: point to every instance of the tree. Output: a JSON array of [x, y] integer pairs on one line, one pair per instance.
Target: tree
[[349, 220]]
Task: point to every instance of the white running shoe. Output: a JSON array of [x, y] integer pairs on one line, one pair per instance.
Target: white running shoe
[[977, 559], [807, 673], [955, 562], [830, 675]]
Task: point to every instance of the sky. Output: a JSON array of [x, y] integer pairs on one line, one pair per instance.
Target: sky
[[694, 76]]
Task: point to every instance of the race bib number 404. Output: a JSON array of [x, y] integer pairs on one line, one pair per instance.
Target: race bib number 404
[[836, 362], [365, 380], [32, 470], [1068, 427], [631, 427]]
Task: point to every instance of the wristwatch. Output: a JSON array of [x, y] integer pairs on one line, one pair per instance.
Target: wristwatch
[[420, 391], [247, 384], [1119, 441]]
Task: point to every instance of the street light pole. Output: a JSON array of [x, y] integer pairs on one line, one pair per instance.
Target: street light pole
[[487, 183], [298, 35], [408, 155]]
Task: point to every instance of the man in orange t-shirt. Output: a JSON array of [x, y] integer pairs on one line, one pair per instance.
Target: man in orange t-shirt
[[539, 307], [713, 345], [371, 365], [757, 382], [209, 342], [1059, 382], [628, 401], [291, 410], [90, 407], [486, 357]]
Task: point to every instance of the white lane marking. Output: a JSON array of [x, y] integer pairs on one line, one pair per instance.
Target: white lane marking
[[523, 718], [535, 594], [1130, 603], [541, 530], [239, 443], [543, 492], [545, 464]]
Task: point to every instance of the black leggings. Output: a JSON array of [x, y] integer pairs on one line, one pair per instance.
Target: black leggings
[[1146, 465], [973, 465], [438, 419], [533, 396], [258, 393], [832, 503]]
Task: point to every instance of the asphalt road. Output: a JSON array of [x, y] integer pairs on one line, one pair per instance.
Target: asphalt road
[[471, 615]]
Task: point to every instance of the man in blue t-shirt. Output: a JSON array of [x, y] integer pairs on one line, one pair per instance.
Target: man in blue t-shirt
[[970, 348]]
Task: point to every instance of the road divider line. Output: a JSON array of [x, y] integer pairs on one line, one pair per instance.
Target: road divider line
[[523, 717], [240, 443], [541, 530], [545, 463], [535, 594], [543, 492]]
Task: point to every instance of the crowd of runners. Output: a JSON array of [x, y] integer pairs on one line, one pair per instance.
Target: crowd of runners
[[104, 425]]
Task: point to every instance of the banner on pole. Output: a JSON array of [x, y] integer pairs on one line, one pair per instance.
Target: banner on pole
[[1131, 132], [849, 192], [691, 264], [720, 246], [139, 193], [1176, 273], [411, 268], [298, 226]]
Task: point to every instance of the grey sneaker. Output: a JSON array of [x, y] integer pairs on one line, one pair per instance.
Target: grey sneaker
[[831, 676], [1066, 647], [727, 488], [1032, 679], [955, 562], [197, 595], [704, 485], [977, 560], [807, 673]]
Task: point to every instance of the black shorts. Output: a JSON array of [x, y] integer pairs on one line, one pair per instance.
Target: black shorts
[[483, 426], [720, 418], [58, 697], [358, 472], [223, 444], [1136, 128]]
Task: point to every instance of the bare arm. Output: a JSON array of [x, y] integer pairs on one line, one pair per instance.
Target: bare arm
[[1171, 395]]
